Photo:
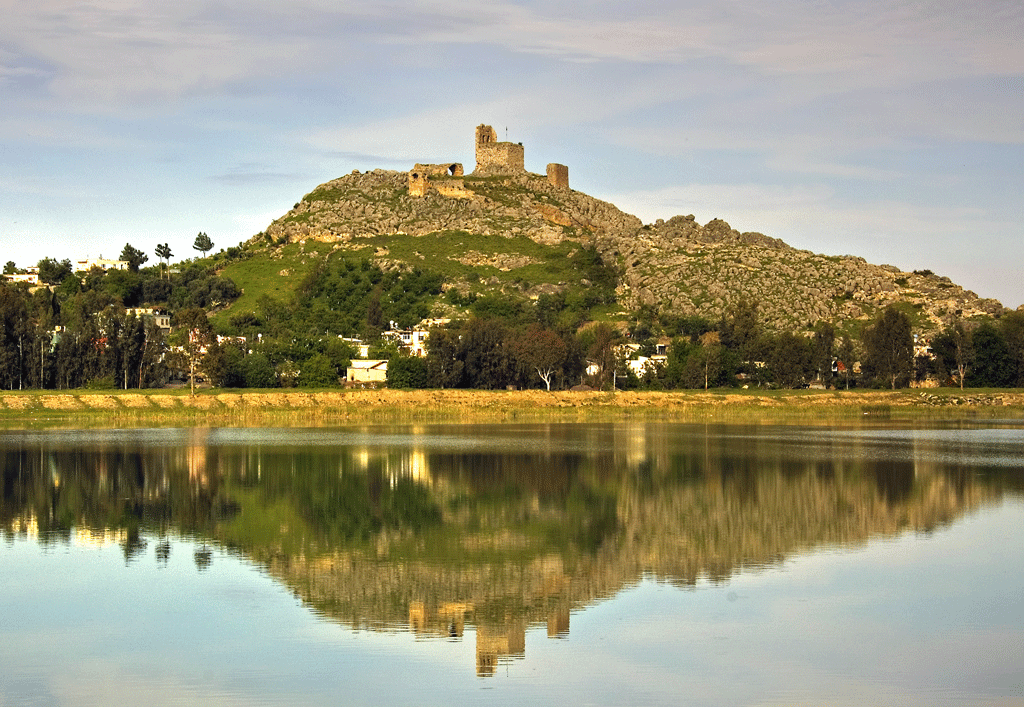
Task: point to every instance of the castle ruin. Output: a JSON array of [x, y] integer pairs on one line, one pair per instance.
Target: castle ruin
[[492, 158], [558, 175], [419, 176]]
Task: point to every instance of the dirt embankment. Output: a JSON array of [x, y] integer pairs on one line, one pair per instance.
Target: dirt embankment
[[257, 407]]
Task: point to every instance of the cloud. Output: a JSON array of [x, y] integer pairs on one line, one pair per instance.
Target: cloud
[[978, 248], [807, 209], [248, 175], [250, 224], [117, 49]]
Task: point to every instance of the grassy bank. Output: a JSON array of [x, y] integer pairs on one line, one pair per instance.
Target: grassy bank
[[330, 407]]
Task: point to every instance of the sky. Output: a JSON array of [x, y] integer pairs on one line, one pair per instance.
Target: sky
[[893, 131]]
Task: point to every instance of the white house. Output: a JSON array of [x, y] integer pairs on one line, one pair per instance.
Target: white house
[[31, 278], [87, 264], [160, 318], [639, 365], [367, 371], [413, 339]]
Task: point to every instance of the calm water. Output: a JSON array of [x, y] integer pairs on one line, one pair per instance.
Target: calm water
[[629, 564]]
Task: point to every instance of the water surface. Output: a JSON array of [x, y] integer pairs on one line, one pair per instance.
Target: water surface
[[610, 564]]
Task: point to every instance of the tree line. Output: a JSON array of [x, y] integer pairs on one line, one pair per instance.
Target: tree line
[[81, 332]]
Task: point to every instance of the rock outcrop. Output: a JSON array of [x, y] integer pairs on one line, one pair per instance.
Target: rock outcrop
[[676, 265]]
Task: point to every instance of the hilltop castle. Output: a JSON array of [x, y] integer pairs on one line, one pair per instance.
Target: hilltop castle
[[492, 158]]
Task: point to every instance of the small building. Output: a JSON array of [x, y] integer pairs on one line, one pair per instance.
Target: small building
[[87, 264], [923, 348], [362, 350], [31, 278], [414, 340], [640, 367], [367, 371], [159, 317]]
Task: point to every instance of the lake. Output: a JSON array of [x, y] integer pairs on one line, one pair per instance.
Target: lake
[[534, 564]]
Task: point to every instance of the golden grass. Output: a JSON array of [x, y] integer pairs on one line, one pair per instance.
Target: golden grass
[[263, 408]]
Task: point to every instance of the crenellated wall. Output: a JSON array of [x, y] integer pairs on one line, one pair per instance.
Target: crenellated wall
[[493, 157]]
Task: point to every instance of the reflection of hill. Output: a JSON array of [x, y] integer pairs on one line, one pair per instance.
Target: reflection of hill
[[518, 531]]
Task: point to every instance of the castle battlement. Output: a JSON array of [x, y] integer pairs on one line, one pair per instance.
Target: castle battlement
[[492, 158]]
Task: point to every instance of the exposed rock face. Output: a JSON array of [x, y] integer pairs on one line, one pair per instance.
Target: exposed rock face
[[693, 269], [676, 265]]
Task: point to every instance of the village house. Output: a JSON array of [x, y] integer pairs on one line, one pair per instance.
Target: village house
[[414, 340], [159, 317], [87, 264], [367, 371], [31, 278]]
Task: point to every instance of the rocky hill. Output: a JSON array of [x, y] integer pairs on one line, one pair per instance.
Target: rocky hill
[[678, 266]]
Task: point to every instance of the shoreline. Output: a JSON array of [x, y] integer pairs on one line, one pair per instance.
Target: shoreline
[[324, 407]]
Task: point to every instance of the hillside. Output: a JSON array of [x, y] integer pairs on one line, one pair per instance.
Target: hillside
[[515, 233]]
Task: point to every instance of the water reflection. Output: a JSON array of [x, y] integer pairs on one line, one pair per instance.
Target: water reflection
[[503, 528]]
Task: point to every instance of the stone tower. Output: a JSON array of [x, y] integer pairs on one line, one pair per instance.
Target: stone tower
[[493, 157], [558, 175]]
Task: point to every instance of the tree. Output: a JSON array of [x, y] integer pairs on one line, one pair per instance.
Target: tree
[[258, 371], [10, 268], [790, 359], [197, 336], [203, 243], [541, 350], [954, 350], [53, 272], [163, 251], [993, 365], [602, 351], [14, 331], [407, 372], [444, 366], [1012, 328], [889, 347], [488, 359], [741, 328], [133, 256], [375, 312], [824, 351], [846, 356], [318, 372], [710, 357]]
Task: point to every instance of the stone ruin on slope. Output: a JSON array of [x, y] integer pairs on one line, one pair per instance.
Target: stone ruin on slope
[[492, 158]]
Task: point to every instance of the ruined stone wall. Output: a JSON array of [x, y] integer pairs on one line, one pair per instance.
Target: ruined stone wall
[[493, 157], [451, 169], [419, 176], [558, 175], [500, 158], [418, 183], [452, 188], [485, 134]]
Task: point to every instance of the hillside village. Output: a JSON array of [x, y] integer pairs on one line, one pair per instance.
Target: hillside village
[[497, 278]]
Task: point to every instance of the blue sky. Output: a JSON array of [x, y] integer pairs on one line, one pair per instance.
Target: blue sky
[[888, 130]]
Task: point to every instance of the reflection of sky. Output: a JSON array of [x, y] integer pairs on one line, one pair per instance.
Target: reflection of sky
[[931, 619], [982, 446]]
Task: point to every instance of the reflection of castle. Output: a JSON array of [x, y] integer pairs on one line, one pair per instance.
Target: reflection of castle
[[504, 531], [499, 636], [493, 642]]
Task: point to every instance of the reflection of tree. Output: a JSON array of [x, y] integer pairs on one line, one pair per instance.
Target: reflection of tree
[[133, 544], [163, 551], [115, 487], [496, 541], [203, 557]]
